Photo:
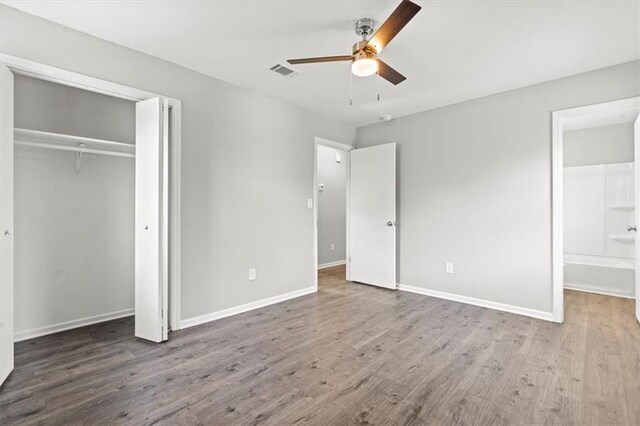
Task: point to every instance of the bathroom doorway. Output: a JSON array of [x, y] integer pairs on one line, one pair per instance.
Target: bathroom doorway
[[595, 187]]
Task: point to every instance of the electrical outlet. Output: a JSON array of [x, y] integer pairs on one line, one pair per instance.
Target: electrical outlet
[[448, 268], [333, 247], [252, 274]]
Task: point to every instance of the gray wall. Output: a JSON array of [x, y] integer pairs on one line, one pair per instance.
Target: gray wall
[[475, 187], [598, 145], [332, 205], [247, 166], [73, 232]]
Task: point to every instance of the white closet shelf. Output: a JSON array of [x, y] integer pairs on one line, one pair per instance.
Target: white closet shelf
[[623, 237], [79, 144], [623, 206]]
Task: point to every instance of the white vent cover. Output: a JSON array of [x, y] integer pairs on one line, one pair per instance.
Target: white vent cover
[[283, 71]]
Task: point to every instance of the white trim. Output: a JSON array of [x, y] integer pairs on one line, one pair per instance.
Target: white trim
[[191, 322], [560, 119], [547, 316], [332, 264], [69, 78], [68, 325], [346, 149], [576, 287]]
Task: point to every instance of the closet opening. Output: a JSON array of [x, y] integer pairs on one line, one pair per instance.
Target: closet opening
[[74, 207], [89, 205]]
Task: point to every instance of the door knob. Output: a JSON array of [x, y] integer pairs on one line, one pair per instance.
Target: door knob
[[631, 228], [390, 223], [6, 232]]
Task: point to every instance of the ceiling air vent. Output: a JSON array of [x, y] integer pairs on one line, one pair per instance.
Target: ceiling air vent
[[282, 70]]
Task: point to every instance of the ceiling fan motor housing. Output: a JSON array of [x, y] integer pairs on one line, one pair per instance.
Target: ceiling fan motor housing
[[364, 27], [362, 51]]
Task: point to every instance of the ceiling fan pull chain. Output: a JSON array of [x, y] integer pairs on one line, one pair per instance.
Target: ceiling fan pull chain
[[378, 78], [351, 89]]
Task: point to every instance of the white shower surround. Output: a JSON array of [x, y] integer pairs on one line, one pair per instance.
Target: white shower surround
[[599, 250]]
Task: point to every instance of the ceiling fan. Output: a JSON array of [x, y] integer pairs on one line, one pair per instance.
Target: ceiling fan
[[364, 58]]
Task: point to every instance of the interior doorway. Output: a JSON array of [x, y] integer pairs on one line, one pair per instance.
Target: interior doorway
[[331, 198], [370, 231], [595, 202]]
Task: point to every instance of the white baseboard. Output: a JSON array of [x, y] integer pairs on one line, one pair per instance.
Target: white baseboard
[[332, 264], [604, 292], [68, 325], [190, 322], [547, 316]]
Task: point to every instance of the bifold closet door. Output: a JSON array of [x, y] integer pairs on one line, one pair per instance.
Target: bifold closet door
[[151, 234], [6, 222], [636, 145]]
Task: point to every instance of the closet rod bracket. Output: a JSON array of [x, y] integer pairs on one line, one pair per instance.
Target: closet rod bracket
[[79, 154]]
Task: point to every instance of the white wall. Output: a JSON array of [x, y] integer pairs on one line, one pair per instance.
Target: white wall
[[598, 145], [332, 205], [73, 232], [247, 166], [475, 187]]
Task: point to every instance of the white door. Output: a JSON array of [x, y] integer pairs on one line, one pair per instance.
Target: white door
[[151, 260], [636, 184], [372, 216], [6, 223]]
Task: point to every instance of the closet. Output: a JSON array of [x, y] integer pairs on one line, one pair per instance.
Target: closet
[[74, 211], [90, 210]]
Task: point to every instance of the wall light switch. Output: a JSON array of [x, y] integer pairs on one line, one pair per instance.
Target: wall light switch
[[252, 274], [338, 157], [309, 203], [448, 268], [333, 247]]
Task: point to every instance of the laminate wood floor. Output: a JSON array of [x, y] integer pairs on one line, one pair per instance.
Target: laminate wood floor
[[351, 354]]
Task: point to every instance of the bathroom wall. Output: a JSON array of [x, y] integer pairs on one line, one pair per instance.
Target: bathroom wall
[[598, 145]]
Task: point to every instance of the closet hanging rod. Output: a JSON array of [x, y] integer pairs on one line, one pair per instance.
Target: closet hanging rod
[[75, 149], [41, 136]]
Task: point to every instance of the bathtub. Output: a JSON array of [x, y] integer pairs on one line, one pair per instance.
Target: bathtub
[[613, 276]]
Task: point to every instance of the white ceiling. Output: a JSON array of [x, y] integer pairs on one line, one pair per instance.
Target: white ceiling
[[452, 50]]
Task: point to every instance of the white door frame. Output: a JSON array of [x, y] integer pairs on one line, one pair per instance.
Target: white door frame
[[68, 78], [346, 149], [561, 121]]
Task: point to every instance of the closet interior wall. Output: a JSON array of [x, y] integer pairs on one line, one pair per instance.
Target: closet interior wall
[[74, 231]]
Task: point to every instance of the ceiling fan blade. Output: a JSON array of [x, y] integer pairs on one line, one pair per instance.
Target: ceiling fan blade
[[392, 26], [320, 59], [389, 74]]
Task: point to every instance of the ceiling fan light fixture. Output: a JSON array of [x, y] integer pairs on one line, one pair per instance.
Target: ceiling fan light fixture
[[364, 67]]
